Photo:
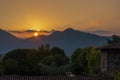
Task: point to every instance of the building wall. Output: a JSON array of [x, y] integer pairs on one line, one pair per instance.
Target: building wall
[[110, 60], [113, 60], [103, 62]]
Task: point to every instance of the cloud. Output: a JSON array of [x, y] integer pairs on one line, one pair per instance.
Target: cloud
[[15, 31], [44, 31], [102, 32], [32, 31]]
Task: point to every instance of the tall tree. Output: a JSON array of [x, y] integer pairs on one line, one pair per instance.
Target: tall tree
[[79, 62], [93, 58], [57, 57], [55, 62], [43, 51]]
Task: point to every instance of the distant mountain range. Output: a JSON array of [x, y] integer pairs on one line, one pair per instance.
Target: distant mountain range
[[68, 39]]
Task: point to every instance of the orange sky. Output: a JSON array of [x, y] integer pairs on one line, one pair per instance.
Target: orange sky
[[85, 15]]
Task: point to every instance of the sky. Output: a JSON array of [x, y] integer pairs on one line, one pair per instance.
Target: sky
[[96, 16]]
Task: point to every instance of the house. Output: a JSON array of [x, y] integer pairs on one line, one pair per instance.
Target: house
[[110, 57]]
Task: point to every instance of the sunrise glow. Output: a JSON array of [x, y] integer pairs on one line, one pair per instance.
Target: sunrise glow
[[35, 34], [96, 16]]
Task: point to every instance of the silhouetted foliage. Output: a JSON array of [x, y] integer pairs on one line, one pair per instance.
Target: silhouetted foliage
[[20, 62], [43, 51], [35, 61], [46, 61], [55, 61], [79, 62]]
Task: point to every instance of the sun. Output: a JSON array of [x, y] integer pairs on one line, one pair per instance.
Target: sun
[[35, 34]]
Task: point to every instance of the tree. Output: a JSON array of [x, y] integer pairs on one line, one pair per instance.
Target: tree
[[79, 62], [55, 62], [75, 55], [27, 61], [116, 75], [57, 50], [20, 62], [85, 61], [59, 56], [43, 51], [93, 58]]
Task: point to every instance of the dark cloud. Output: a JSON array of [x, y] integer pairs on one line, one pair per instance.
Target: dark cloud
[[102, 32], [44, 31], [16, 31], [53, 30], [32, 31]]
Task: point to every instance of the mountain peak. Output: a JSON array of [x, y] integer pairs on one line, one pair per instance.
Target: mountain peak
[[69, 30], [6, 35], [1, 30]]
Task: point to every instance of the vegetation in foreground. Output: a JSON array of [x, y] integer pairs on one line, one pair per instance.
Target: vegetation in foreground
[[46, 61]]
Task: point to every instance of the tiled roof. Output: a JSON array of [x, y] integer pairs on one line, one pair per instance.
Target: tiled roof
[[111, 46]]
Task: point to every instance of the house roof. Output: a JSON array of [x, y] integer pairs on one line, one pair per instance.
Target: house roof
[[111, 46]]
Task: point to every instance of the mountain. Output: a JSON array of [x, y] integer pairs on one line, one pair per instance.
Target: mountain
[[8, 41], [69, 40]]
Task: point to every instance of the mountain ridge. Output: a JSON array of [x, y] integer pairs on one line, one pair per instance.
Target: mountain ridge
[[69, 40], [8, 41]]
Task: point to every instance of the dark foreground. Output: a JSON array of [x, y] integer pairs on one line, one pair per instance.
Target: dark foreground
[[51, 78]]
